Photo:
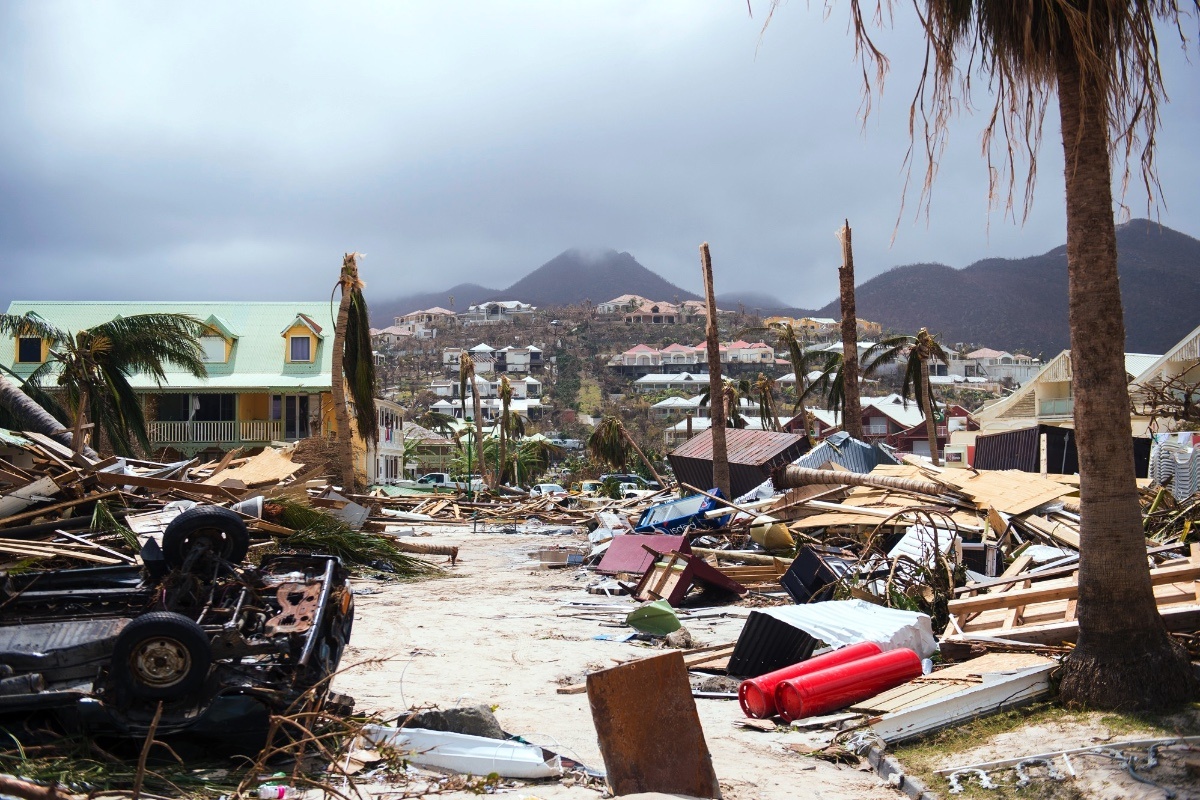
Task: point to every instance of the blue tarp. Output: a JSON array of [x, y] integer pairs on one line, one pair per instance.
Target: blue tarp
[[679, 514]]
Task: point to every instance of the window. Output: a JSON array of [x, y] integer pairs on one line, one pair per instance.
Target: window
[[301, 348], [29, 350], [213, 349]]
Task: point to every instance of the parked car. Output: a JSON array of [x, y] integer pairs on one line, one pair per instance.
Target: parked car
[[439, 480], [591, 488], [219, 644], [629, 477], [629, 490], [543, 489]]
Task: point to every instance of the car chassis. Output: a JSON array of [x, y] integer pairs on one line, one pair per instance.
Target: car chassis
[[220, 644]]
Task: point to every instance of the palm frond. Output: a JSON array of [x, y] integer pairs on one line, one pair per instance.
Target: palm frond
[[359, 366], [30, 324], [147, 343]]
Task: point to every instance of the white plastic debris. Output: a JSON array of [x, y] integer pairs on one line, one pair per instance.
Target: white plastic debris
[[467, 755]]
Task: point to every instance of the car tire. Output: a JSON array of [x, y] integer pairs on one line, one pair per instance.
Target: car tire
[[161, 656], [220, 530]]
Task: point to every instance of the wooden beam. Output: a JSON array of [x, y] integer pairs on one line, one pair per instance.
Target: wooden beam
[[164, 485]]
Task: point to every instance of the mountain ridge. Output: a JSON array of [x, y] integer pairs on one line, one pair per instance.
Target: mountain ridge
[[1011, 304]]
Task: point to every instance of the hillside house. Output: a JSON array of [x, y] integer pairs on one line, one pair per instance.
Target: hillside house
[[428, 318], [496, 311], [489, 360], [622, 304]]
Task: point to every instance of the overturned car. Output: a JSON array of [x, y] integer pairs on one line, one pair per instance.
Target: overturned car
[[220, 644]]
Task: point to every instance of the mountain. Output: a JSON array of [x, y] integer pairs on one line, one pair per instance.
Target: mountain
[[1022, 303], [570, 277], [576, 275], [1001, 303]]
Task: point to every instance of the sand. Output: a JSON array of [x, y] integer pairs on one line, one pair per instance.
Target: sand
[[494, 633]]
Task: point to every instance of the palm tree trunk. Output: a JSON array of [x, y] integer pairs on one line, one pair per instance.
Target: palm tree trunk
[[716, 388], [475, 406], [851, 407], [503, 443], [803, 412], [646, 461], [1124, 658], [80, 419], [341, 414], [33, 417], [927, 407]]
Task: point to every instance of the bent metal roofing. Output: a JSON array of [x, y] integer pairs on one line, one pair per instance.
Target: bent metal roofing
[[256, 362]]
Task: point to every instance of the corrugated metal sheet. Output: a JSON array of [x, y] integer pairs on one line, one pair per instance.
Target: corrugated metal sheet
[[752, 456], [767, 644], [1021, 449], [841, 448]]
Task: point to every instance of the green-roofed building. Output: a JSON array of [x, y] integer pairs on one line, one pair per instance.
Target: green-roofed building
[[269, 370]]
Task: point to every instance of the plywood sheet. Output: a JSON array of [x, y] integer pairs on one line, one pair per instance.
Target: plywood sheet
[[268, 467], [649, 730]]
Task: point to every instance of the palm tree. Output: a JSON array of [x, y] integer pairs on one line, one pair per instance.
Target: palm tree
[[731, 396], [466, 371], [437, 422], [505, 391], [607, 444], [610, 444], [920, 349], [353, 364], [1101, 58], [94, 366], [713, 341], [767, 412], [800, 358], [852, 419]]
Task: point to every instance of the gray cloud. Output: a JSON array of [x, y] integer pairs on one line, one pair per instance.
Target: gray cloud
[[228, 150]]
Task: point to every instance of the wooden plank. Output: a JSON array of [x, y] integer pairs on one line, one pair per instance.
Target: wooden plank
[[1164, 575], [649, 731], [40, 512], [163, 485]]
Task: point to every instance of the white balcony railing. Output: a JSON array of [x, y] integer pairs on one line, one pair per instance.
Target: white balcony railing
[[259, 430], [229, 432], [1062, 407]]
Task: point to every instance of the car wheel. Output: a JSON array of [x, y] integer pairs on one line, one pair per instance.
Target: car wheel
[[219, 531], [161, 656]]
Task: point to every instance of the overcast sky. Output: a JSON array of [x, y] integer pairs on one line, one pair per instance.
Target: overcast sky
[[233, 150]]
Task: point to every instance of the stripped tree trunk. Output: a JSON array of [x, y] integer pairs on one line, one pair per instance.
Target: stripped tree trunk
[[475, 406], [80, 418], [851, 406], [1124, 658], [341, 414], [927, 408], [788, 477], [34, 418], [716, 388]]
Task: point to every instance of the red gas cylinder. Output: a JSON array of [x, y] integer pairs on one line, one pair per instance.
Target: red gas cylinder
[[837, 687], [757, 695]]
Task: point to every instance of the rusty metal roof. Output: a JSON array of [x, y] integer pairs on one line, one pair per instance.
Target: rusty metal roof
[[744, 446]]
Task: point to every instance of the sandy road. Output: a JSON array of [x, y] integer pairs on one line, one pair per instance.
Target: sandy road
[[494, 634]]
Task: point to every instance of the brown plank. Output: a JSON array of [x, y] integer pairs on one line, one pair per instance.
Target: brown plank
[[649, 731], [162, 485], [1021, 597]]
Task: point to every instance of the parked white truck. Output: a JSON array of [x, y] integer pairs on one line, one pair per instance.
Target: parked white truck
[[442, 480]]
